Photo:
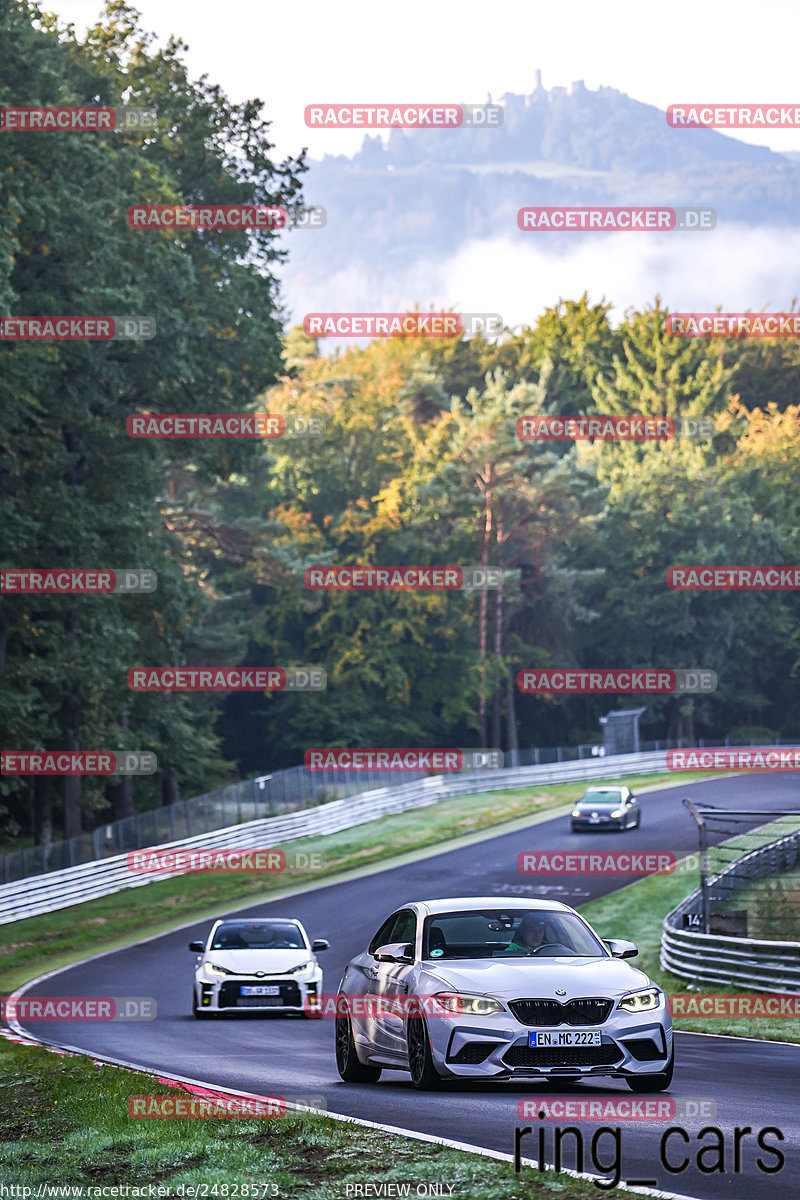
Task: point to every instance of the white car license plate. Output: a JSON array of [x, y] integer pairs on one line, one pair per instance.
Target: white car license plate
[[564, 1039], [261, 991]]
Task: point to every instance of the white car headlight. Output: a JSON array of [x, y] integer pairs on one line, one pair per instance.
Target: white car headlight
[[576, 812], [468, 1006], [637, 1002], [617, 812], [215, 972], [304, 969]]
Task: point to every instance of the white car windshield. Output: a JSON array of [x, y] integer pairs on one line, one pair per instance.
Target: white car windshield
[[276, 935], [508, 933]]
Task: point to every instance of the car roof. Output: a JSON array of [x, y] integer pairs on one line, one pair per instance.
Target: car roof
[[471, 903], [256, 920]]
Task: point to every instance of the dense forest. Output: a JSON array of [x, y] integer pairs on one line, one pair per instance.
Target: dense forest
[[419, 463]]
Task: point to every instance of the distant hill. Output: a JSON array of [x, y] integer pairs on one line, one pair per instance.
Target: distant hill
[[426, 193]]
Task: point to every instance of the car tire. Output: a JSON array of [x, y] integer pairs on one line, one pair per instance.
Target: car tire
[[653, 1083], [424, 1075], [348, 1064]]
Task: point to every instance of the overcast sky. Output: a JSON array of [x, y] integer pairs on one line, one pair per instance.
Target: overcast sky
[[304, 51], [311, 51]]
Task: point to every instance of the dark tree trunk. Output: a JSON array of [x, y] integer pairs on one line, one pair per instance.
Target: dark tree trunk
[[512, 736], [122, 791], [72, 783], [42, 809], [170, 791]]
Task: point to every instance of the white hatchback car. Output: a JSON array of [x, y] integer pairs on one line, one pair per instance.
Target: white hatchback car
[[261, 964]]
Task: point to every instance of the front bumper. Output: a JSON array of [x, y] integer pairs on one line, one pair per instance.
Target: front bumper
[[224, 995], [583, 824], [497, 1047]]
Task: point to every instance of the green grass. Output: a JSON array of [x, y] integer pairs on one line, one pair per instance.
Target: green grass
[[65, 1121], [38, 944], [637, 913]]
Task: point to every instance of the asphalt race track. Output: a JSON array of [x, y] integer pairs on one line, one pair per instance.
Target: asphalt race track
[[754, 1084]]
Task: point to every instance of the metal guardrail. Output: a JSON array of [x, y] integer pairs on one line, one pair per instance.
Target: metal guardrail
[[88, 881], [267, 795], [748, 963]]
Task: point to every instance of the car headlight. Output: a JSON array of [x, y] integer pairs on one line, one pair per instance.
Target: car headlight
[[468, 1006], [636, 1002], [617, 812], [215, 972], [304, 969], [576, 812]]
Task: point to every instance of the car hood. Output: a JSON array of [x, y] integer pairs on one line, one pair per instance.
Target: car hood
[[247, 962], [514, 979]]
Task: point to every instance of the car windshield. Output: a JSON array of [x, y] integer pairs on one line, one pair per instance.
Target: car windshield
[[272, 935], [508, 933], [601, 796]]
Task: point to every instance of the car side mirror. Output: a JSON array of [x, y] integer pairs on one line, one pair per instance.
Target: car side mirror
[[395, 952], [621, 949], [320, 944], [198, 947]]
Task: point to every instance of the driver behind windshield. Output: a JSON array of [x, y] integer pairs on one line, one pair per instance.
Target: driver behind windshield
[[528, 936]]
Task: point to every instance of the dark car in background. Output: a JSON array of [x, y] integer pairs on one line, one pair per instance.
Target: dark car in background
[[609, 808]]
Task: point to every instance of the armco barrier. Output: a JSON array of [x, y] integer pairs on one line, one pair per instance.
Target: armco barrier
[[73, 885], [759, 966], [281, 792]]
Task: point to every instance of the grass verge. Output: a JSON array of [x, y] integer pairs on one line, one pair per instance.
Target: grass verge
[[38, 944], [66, 1122]]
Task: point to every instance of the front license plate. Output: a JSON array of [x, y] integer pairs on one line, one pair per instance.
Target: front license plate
[[261, 991], [564, 1039]]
